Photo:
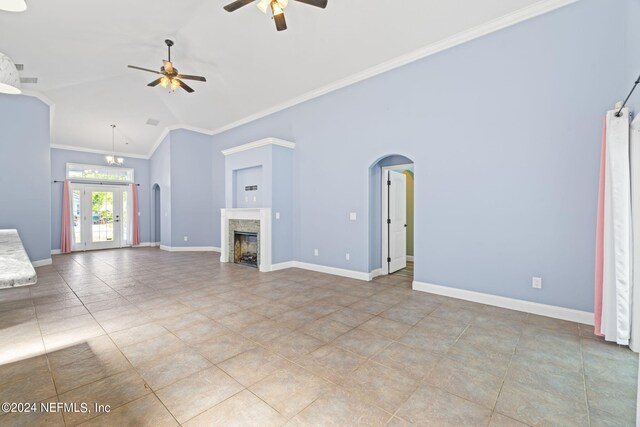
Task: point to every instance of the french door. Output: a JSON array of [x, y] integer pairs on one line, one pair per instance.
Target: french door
[[99, 215]]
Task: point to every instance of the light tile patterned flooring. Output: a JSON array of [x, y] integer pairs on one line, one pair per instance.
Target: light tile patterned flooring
[[177, 338]]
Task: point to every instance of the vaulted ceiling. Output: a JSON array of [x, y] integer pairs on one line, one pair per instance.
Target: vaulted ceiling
[[79, 51]]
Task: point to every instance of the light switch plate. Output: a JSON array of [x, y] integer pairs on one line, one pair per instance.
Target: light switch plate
[[353, 216], [277, 215]]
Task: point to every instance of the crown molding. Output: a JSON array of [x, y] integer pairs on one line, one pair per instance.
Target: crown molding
[[93, 151], [529, 12], [260, 143]]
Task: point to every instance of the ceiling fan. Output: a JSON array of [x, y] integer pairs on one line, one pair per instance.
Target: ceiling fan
[[276, 6], [170, 76]]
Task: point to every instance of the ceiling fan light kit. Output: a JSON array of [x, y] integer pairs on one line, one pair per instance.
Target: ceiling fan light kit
[[9, 76], [171, 78], [13, 5], [277, 8]]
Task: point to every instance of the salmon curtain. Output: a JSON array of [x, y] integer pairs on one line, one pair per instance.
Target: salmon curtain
[[614, 282], [135, 231], [65, 237], [600, 236]]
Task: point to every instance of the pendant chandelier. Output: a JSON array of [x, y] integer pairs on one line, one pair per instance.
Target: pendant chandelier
[[112, 160]]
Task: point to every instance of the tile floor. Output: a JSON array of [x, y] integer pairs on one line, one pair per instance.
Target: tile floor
[[179, 339]]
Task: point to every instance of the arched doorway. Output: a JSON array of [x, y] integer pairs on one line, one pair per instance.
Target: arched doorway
[[156, 229], [391, 180]]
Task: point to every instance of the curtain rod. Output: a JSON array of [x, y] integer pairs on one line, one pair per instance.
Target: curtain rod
[[619, 113], [96, 182]]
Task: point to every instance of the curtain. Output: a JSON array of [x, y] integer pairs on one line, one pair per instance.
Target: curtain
[[614, 258], [635, 220], [135, 229], [597, 305], [65, 237]]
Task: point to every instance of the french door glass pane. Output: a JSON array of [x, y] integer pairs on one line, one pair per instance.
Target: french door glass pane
[[102, 216], [125, 217], [76, 211]]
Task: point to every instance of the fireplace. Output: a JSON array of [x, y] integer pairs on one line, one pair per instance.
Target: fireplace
[[256, 222], [245, 248]]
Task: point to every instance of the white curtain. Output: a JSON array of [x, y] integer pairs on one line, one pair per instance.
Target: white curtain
[[617, 262], [634, 153]]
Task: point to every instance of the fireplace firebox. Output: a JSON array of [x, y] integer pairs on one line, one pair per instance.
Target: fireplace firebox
[[245, 248]]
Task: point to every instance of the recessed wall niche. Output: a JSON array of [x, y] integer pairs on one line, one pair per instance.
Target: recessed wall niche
[[247, 184]]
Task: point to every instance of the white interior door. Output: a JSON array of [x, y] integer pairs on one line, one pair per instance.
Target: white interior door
[[99, 216], [395, 219]]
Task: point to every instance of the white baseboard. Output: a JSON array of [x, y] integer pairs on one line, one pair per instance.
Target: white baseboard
[[56, 251], [375, 273], [282, 265], [154, 244], [324, 269], [42, 262], [189, 248], [332, 270], [510, 303], [410, 258]]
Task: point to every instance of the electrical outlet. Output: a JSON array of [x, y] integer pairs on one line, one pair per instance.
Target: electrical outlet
[[186, 239], [348, 257], [353, 216], [315, 252], [536, 282]]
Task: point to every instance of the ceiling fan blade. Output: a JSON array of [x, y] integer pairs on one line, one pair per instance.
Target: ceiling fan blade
[[143, 69], [317, 3], [188, 77], [184, 86], [168, 67], [281, 23], [237, 5], [155, 82]]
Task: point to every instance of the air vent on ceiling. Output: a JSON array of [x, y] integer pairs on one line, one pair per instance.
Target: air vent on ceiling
[[19, 67], [29, 80], [153, 122]]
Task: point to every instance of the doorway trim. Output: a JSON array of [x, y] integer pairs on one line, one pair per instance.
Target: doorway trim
[[86, 243], [384, 232]]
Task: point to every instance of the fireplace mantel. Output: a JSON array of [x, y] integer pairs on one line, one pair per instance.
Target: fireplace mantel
[[260, 214]]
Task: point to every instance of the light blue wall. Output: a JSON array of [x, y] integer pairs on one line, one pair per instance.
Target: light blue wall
[[282, 204], [504, 132], [25, 190], [192, 208], [632, 47], [160, 174], [59, 160], [258, 157], [242, 178]]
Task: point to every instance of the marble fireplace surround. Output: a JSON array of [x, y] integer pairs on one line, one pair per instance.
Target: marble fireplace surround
[[254, 220]]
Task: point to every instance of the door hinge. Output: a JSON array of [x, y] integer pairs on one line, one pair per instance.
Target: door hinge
[[389, 183], [389, 259], [388, 221]]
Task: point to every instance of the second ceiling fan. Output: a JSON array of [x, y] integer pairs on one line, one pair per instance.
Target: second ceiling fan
[[276, 6]]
